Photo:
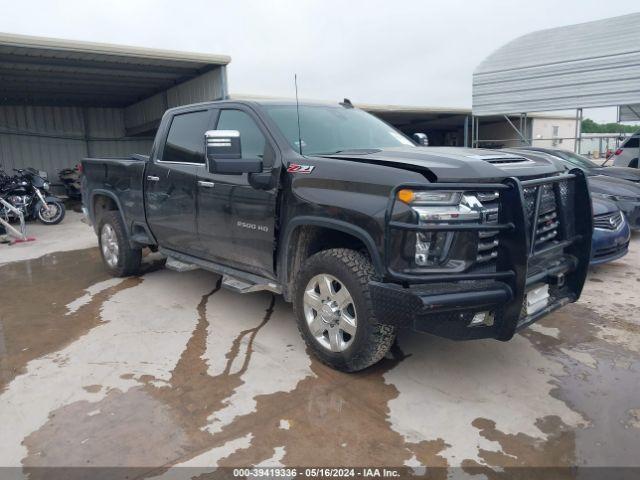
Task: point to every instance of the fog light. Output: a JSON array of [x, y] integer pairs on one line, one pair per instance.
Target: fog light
[[432, 248], [482, 319]]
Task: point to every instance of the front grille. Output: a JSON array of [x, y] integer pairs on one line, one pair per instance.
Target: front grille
[[608, 221], [547, 221], [549, 225], [488, 241]]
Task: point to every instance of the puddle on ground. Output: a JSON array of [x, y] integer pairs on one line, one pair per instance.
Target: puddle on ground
[[115, 431], [605, 390], [35, 318], [519, 450], [244, 391], [33, 301], [351, 410]]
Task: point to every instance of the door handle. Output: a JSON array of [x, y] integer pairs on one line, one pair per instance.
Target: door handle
[[204, 184], [153, 178]]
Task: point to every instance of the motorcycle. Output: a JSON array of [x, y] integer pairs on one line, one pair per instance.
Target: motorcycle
[[29, 192]]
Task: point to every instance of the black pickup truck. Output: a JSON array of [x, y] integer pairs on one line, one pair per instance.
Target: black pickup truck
[[361, 228]]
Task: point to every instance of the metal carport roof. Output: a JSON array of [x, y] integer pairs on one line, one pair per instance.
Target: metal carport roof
[[53, 72], [416, 117], [592, 64], [629, 113]]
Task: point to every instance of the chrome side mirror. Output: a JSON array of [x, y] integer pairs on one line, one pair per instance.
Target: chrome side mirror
[[224, 154], [421, 139], [223, 144]]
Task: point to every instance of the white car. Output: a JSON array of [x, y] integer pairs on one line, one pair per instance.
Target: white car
[[627, 154]]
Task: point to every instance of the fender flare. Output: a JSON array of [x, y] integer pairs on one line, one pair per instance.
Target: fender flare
[[330, 223], [112, 196]]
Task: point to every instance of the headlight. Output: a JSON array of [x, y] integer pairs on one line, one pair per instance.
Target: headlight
[[426, 197], [446, 250], [45, 186]]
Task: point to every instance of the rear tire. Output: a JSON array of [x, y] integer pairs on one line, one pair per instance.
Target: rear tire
[[334, 312], [120, 259]]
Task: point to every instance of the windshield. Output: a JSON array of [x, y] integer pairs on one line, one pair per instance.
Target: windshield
[[575, 159], [326, 130]]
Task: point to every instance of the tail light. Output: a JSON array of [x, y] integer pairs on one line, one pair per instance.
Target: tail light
[[618, 152]]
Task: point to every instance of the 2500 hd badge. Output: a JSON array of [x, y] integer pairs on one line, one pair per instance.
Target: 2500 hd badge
[[252, 226]]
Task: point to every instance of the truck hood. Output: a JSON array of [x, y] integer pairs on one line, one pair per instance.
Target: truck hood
[[454, 164]]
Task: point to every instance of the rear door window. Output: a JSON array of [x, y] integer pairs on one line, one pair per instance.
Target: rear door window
[[185, 141]]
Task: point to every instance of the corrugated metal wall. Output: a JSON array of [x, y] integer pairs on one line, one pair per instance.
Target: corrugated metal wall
[[587, 65], [206, 87], [52, 138]]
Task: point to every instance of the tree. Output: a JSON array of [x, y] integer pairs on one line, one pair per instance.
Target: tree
[[589, 126]]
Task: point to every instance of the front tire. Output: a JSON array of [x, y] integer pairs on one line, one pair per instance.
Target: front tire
[[333, 308], [117, 255], [52, 215]]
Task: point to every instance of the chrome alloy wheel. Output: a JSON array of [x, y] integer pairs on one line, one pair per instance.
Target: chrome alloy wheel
[[330, 312], [109, 242]]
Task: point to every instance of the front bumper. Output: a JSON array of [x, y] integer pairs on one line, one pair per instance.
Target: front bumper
[[448, 309], [610, 245]]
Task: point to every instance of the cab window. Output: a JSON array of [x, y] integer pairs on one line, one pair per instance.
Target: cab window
[[632, 142], [252, 140]]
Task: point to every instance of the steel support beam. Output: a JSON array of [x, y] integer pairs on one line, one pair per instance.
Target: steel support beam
[[576, 145], [522, 137], [466, 131]]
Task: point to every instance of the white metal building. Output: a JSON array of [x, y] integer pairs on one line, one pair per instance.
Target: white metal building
[[64, 100], [593, 64]]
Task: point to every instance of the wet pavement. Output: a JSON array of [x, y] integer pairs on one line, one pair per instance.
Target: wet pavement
[[167, 369]]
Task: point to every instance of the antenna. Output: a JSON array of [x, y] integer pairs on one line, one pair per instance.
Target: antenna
[[346, 103], [295, 81]]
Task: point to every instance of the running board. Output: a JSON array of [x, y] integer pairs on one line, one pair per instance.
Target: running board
[[240, 286], [178, 266], [232, 279]]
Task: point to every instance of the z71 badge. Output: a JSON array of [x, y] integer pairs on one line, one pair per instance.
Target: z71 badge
[[295, 168]]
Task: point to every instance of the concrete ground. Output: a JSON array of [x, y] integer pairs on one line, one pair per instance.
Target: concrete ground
[[164, 369]]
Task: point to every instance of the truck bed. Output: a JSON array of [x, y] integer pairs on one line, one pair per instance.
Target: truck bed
[[121, 180]]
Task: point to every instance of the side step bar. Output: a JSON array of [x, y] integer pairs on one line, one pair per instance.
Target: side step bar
[[178, 266], [239, 286], [232, 279]]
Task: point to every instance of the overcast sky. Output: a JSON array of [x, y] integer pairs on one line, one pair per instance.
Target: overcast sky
[[394, 51]]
